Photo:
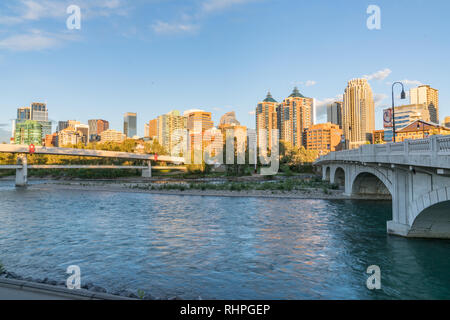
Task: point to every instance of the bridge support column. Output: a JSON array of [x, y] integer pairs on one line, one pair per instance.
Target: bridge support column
[[147, 173], [22, 174]]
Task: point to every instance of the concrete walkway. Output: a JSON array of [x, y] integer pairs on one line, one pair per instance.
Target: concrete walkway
[[23, 290]]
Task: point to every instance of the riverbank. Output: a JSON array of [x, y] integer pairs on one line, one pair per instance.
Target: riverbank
[[277, 189]]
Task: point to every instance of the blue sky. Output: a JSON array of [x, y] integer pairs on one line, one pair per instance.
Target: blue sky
[[153, 56]]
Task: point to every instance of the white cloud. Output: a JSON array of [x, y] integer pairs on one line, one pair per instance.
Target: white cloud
[[188, 23], [33, 40], [378, 99], [379, 75], [209, 6], [310, 83], [321, 105], [33, 10], [161, 27], [412, 82]]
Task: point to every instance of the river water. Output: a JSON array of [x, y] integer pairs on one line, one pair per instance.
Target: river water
[[217, 247]]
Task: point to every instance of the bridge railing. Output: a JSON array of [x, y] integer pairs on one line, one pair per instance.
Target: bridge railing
[[433, 147]]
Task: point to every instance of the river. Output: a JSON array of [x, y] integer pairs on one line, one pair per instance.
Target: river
[[217, 247]]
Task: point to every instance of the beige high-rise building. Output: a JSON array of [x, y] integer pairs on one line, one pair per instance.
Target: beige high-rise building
[[296, 114], [167, 125], [358, 113], [267, 118], [426, 95]]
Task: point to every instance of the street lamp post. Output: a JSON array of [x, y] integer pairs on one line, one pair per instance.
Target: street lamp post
[[403, 96]]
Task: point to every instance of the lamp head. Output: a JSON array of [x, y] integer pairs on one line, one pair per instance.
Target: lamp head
[[403, 96]]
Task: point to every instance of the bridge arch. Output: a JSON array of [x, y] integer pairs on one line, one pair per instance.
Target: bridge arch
[[370, 181], [429, 215], [339, 176]]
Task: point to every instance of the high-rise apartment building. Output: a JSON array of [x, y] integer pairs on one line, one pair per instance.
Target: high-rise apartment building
[[168, 128], [130, 124], [358, 113], [267, 118], [152, 129], [295, 115], [426, 95], [334, 113], [324, 138]]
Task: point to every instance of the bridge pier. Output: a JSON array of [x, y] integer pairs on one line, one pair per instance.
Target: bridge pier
[[22, 173], [147, 173]]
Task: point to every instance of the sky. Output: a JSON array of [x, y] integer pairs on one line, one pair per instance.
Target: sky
[[154, 56]]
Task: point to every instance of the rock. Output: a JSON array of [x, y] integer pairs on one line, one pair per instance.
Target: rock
[[88, 286], [45, 280], [52, 282], [98, 289]]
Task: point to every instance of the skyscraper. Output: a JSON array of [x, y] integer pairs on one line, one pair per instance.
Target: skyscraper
[[334, 113], [167, 126], [37, 112], [130, 124], [267, 118], [447, 122], [358, 113], [295, 114], [97, 126], [426, 95]]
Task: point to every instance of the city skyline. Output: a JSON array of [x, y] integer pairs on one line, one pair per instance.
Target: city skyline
[[168, 68]]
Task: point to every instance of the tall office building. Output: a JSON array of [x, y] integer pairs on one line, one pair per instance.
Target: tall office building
[[37, 112], [130, 124], [97, 126], [295, 115], [426, 95], [267, 118], [24, 114], [167, 125], [334, 113], [358, 113]]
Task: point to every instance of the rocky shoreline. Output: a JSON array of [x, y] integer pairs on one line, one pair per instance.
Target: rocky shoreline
[[139, 295], [308, 194]]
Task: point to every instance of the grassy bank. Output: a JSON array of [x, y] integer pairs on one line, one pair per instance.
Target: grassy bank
[[292, 184]]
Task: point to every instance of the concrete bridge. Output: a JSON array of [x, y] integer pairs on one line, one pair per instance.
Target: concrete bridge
[[23, 151], [414, 173]]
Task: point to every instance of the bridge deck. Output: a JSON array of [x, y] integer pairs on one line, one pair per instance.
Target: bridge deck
[[10, 148]]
